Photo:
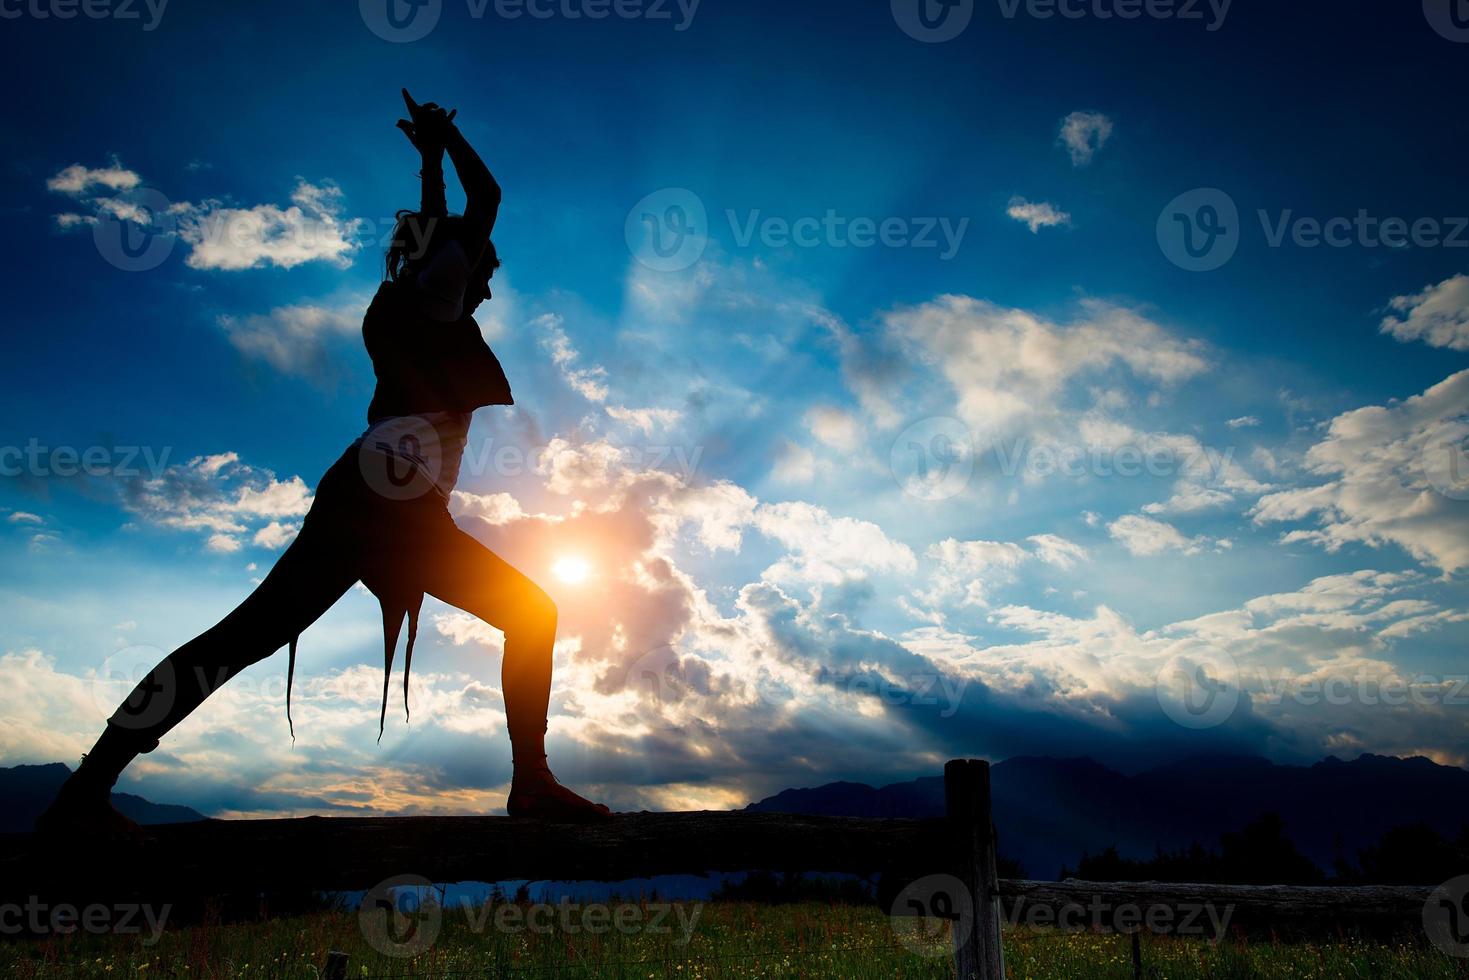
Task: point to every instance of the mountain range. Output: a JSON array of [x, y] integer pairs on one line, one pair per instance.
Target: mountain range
[[25, 791]]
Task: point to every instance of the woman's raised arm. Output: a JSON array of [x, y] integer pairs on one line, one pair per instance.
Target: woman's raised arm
[[481, 192], [433, 131], [426, 130]]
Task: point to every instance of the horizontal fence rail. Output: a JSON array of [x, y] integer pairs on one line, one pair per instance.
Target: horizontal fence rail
[[350, 853], [942, 868], [1124, 906]]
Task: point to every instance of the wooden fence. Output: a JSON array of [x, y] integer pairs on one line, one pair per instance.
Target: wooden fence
[[937, 868]]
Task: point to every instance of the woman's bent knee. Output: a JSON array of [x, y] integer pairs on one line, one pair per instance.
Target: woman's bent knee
[[539, 608], [532, 612]]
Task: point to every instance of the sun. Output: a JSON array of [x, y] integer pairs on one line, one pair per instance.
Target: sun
[[571, 570]]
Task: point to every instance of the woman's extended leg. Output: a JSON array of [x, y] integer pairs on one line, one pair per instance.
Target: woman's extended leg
[[466, 574], [311, 576]]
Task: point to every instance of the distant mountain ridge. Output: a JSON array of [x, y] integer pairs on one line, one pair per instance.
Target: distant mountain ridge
[[1049, 811], [25, 791]]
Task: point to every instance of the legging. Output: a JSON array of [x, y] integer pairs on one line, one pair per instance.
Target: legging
[[398, 547]]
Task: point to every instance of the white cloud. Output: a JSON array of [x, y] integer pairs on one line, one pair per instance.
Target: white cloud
[[222, 496], [645, 420], [222, 544], [494, 508], [1203, 470], [590, 383], [69, 220], [310, 229], [1084, 134], [295, 340], [275, 535], [1056, 550], [1438, 316], [824, 548], [47, 715], [1337, 631], [25, 517], [1244, 422], [1037, 214], [794, 464], [218, 235], [78, 179], [838, 429], [719, 513], [1144, 536], [1386, 469], [1009, 367], [971, 570], [43, 542], [1191, 498], [570, 467]]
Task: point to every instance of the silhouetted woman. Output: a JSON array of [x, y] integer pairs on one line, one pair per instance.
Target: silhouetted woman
[[380, 514]]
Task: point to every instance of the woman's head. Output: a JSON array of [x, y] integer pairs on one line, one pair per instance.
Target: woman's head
[[417, 238], [477, 290]]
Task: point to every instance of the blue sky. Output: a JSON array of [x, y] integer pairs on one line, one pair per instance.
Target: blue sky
[[730, 444]]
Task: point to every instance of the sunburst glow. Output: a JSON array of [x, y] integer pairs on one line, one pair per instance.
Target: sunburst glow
[[571, 570]]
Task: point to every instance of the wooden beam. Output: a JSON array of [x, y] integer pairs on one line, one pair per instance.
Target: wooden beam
[[248, 857], [1198, 909], [346, 853]]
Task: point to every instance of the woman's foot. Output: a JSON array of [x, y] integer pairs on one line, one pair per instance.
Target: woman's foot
[[83, 813], [535, 794]]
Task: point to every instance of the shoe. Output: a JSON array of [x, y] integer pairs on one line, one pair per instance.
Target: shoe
[[536, 795], [83, 812]]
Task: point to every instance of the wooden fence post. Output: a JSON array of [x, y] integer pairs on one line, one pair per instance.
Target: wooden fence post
[[977, 951], [336, 966]]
